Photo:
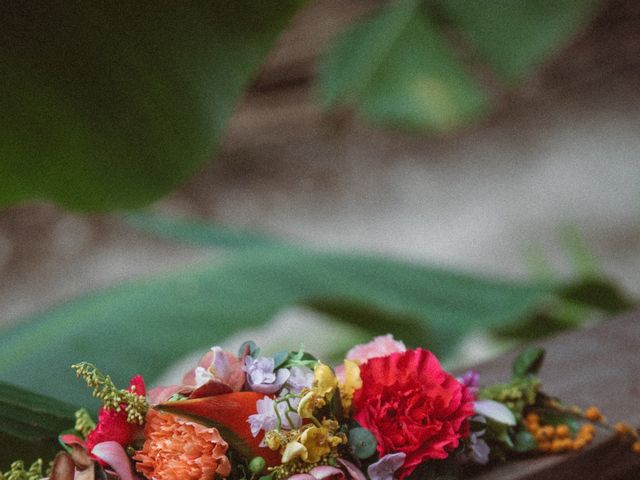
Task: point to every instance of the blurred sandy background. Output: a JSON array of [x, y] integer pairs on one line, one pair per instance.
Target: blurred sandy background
[[564, 149]]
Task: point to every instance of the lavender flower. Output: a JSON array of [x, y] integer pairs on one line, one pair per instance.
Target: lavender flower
[[471, 380], [261, 376], [266, 418], [384, 468], [301, 377], [479, 449]]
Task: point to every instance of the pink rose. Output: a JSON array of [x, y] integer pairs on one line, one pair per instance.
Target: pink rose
[[378, 347]]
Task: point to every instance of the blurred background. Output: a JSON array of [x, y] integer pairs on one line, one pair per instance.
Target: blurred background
[[437, 137]]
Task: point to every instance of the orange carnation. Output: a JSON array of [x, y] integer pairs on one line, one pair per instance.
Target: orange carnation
[[177, 449]]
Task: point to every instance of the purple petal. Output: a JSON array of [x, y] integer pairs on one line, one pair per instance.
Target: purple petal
[[114, 455], [355, 472], [326, 471], [281, 377], [479, 450], [384, 468], [495, 411]]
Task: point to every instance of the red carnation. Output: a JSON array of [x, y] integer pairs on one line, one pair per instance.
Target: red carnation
[[413, 406], [113, 426]]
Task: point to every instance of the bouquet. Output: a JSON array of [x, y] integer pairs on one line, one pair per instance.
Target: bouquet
[[386, 413]]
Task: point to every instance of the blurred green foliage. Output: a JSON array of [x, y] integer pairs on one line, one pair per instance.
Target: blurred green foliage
[[107, 105], [112, 105], [30, 425], [408, 65]]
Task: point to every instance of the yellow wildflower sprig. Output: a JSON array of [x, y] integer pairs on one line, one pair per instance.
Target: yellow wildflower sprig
[[84, 423], [113, 398], [18, 472]]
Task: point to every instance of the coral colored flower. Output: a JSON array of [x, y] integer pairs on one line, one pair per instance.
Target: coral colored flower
[[413, 406], [378, 347], [177, 449], [113, 426]]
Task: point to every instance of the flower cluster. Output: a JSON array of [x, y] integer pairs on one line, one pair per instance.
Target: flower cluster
[[385, 413]]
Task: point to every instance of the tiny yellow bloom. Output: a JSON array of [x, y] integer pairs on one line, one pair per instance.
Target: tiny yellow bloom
[[352, 382], [316, 442], [324, 380], [307, 405], [294, 450]]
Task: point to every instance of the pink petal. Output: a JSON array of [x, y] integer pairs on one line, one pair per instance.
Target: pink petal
[[160, 395], [301, 476], [378, 347], [71, 439], [114, 455], [210, 389], [355, 472], [325, 471]]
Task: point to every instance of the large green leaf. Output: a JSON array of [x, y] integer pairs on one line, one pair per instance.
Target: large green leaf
[[108, 105], [143, 326], [30, 425], [398, 69], [515, 36], [401, 67]]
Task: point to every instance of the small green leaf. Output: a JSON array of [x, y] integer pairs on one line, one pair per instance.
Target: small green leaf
[[280, 358], [523, 442], [528, 362], [499, 432], [362, 442]]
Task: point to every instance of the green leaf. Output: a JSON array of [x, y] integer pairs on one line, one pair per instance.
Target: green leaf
[[528, 362], [398, 70], [30, 425], [196, 232], [597, 293], [111, 105], [362, 442], [144, 326], [524, 442], [515, 36]]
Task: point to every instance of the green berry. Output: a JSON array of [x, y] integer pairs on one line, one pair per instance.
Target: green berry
[[257, 465]]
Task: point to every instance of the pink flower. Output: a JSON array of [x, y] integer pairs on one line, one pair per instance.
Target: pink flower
[[217, 372], [412, 406], [113, 425], [378, 347]]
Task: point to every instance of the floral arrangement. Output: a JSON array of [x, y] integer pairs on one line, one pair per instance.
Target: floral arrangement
[[386, 413]]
